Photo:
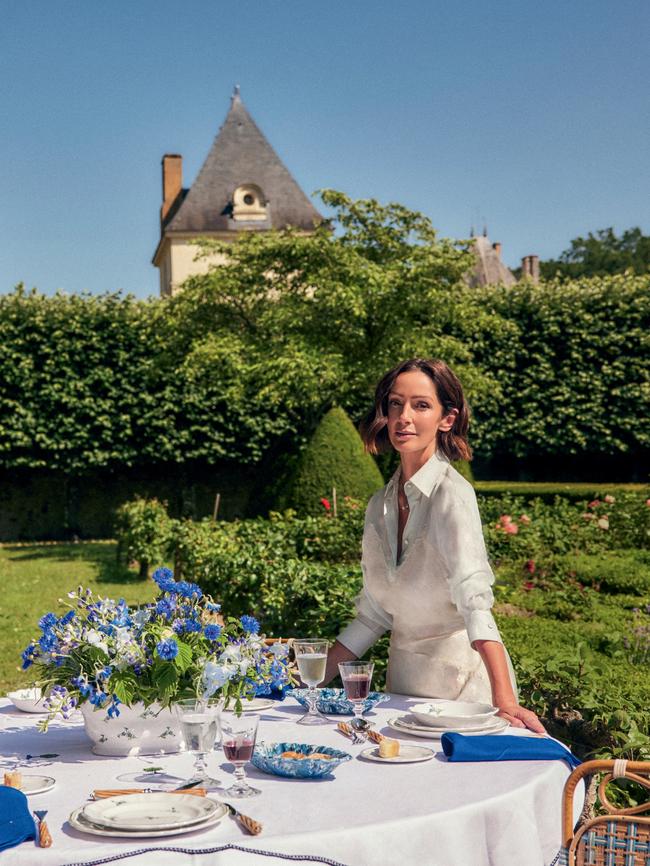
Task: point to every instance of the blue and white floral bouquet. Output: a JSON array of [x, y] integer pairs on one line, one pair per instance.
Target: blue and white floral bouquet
[[176, 647]]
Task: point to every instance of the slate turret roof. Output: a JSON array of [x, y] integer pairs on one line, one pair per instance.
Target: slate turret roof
[[241, 155], [489, 270]]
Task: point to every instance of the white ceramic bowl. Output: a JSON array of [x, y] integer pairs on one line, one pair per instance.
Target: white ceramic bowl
[[439, 713], [28, 700]]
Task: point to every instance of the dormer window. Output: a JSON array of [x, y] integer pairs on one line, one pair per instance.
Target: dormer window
[[248, 203]]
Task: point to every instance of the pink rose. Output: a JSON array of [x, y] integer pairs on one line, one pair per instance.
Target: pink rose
[[511, 528], [525, 519], [603, 522], [594, 503], [505, 519], [609, 499]]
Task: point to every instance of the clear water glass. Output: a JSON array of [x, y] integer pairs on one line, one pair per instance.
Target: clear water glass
[[311, 658], [200, 723], [238, 743], [356, 676]]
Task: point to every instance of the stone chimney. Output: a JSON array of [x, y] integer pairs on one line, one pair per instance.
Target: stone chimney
[[497, 248], [172, 181], [530, 268]]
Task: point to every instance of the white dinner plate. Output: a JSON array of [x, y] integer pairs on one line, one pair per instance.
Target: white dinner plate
[[37, 784], [407, 755], [410, 722], [157, 811], [79, 822], [431, 734]]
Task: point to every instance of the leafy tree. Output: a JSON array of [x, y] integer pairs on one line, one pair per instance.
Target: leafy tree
[[600, 254]]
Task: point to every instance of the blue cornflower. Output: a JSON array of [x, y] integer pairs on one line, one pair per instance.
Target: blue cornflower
[[47, 622], [164, 577], [179, 626], [167, 649], [113, 709], [105, 673], [28, 656], [67, 617], [165, 607], [188, 590], [249, 624], [192, 625], [212, 632], [47, 641], [215, 608]]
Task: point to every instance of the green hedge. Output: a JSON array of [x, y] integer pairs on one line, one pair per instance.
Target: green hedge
[[575, 491]]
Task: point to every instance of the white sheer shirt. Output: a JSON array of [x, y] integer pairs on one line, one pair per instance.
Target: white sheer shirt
[[443, 508]]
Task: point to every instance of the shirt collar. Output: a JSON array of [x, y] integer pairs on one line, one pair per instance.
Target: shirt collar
[[427, 476]]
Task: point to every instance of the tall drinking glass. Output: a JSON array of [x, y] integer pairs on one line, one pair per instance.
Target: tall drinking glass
[[199, 722], [356, 676], [239, 733], [311, 658]]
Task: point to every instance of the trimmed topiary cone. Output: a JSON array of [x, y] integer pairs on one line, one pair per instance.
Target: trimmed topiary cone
[[333, 458]]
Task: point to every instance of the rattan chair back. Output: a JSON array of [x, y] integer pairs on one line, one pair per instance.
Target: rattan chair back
[[621, 837]]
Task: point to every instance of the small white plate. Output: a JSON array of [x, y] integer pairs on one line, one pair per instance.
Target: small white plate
[[429, 733], [407, 755], [78, 822], [256, 705], [157, 811], [37, 784], [28, 701]]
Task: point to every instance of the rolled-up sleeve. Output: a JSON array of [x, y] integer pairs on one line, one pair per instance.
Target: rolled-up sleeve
[[459, 536], [367, 627]]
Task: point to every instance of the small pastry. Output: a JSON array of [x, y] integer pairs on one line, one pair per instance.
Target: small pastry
[[13, 779], [388, 748]]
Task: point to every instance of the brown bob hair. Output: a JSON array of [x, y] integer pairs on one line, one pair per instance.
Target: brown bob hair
[[453, 443]]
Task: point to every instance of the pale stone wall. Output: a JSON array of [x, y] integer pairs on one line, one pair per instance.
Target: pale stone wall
[[177, 261]]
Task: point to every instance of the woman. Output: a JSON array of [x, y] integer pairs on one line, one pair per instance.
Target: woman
[[426, 573]]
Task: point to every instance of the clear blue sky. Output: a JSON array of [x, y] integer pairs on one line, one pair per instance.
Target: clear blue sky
[[532, 116]]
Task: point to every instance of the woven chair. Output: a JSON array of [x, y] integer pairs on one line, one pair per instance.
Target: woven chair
[[619, 838]]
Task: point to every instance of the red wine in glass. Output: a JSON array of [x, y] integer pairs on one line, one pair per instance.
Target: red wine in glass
[[236, 751], [357, 687]]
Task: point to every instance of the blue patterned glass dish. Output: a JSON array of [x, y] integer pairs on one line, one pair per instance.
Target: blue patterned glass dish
[[333, 701], [267, 757]]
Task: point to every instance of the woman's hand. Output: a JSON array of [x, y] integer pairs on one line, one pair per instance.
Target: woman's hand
[[519, 717]]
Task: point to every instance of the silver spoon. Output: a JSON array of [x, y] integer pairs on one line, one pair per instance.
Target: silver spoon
[[360, 727]]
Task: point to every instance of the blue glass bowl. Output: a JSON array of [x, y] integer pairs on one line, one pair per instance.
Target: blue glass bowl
[[266, 757], [334, 702]]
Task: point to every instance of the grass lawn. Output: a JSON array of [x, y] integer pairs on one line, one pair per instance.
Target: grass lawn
[[36, 578]]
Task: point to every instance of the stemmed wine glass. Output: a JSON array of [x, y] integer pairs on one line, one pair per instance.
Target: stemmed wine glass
[[238, 743], [199, 722], [356, 676], [311, 658]]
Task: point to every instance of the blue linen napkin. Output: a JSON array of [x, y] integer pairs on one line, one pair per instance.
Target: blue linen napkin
[[16, 822], [490, 747]]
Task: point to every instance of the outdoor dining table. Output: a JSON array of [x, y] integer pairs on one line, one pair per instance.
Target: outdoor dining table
[[433, 813]]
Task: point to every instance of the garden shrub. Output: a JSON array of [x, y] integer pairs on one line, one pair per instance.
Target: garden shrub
[[334, 458], [623, 571], [144, 532]]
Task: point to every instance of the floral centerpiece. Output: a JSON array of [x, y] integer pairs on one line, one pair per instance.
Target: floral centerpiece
[[110, 656]]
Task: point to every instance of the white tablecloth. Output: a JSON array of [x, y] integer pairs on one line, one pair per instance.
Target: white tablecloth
[[369, 814]]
